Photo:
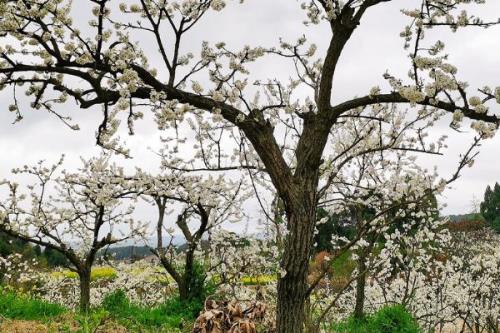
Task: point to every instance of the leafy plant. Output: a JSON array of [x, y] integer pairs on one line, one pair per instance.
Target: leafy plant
[[389, 319]]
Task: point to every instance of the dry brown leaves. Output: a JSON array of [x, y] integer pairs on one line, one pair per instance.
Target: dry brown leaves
[[229, 317]]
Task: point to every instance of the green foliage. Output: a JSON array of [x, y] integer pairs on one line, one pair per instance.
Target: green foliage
[[10, 245], [496, 224], [343, 265], [89, 322], [333, 226], [173, 314], [48, 257], [389, 319], [472, 217], [490, 207], [54, 258], [15, 306], [200, 287]]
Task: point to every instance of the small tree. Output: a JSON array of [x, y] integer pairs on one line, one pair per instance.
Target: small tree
[[490, 207], [205, 203], [76, 214]]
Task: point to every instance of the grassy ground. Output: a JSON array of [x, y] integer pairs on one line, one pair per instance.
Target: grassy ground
[[393, 319], [22, 314]]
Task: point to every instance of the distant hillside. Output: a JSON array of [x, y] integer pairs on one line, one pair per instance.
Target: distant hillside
[[466, 217], [128, 252], [138, 252], [45, 256]]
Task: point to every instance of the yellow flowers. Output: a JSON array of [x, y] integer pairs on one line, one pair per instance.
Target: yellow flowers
[[257, 280], [98, 273]]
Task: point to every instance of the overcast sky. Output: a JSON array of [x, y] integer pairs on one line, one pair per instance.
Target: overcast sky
[[374, 48]]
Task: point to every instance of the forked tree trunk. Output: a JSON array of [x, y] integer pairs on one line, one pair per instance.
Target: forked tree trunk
[[84, 276], [184, 280], [293, 286]]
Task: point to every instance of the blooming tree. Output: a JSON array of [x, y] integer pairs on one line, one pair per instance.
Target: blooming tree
[[459, 290], [382, 194], [76, 214], [285, 128], [206, 203]]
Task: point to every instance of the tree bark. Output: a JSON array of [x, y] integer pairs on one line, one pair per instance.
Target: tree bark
[[183, 291], [292, 287], [186, 292], [188, 275], [84, 276], [360, 287]]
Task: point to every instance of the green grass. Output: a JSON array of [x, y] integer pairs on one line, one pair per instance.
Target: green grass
[[389, 319], [343, 265], [173, 314], [15, 306]]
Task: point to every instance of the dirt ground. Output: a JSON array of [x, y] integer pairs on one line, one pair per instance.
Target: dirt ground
[[24, 326]]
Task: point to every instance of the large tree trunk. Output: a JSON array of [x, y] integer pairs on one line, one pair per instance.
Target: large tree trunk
[[292, 287], [84, 276]]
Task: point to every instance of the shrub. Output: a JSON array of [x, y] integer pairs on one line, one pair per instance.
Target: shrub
[[472, 224], [389, 319], [200, 287]]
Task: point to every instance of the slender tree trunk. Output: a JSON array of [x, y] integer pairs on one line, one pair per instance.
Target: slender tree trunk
[[184, 280], [183, 291], [186, 284], [188, 275], [292, 287], [84, 276], [360, 286]]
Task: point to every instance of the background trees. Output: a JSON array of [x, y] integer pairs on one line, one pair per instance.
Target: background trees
[[490, 207]]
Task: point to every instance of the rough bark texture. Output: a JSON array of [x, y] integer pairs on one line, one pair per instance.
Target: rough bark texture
[[186, 279], [84, 276], [293, 286], [360, 287]]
